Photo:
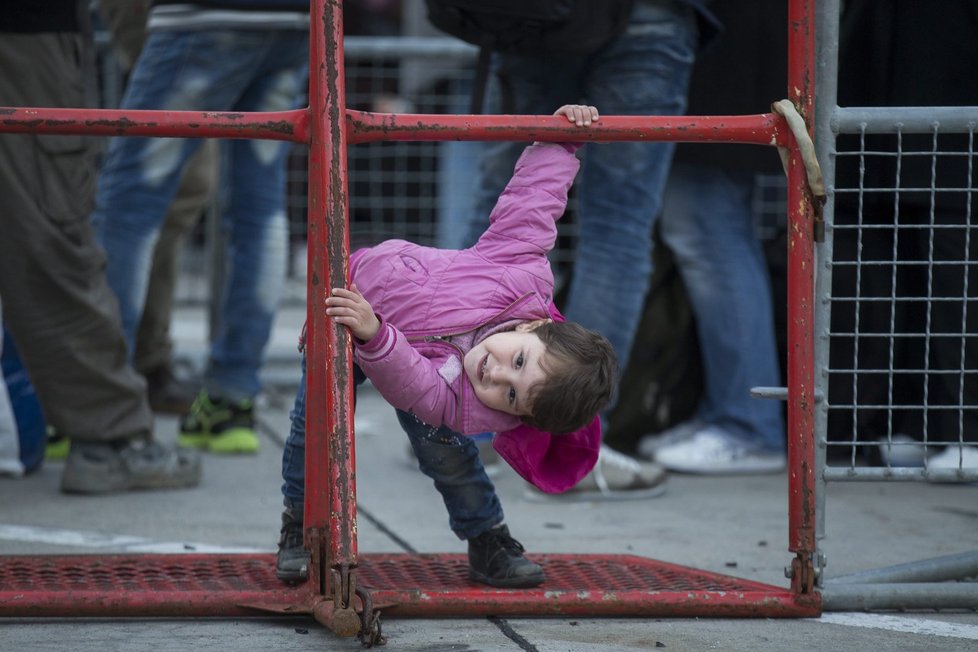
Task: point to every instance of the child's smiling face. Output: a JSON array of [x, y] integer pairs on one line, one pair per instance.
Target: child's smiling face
[[504, 366]]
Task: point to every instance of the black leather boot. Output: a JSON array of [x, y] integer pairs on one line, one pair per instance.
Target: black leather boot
[[496, 559], [292, 561]]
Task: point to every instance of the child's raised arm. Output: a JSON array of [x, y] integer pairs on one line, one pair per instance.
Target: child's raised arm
[[522, 223]]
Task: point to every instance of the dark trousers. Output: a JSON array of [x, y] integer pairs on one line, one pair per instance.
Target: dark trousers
[[57, 304]]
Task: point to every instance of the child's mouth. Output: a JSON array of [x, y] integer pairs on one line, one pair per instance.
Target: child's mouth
[[482, 367]]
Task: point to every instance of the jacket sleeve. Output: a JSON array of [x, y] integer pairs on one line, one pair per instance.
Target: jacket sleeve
[[405, 378], [523, 222]]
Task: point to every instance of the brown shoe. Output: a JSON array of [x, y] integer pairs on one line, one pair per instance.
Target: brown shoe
[[167, 393]]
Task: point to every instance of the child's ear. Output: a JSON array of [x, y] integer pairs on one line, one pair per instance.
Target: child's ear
[[530, 326]]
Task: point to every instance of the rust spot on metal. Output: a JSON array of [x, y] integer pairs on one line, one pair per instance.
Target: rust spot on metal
[[281, 126], [121, 123], [28, 123]]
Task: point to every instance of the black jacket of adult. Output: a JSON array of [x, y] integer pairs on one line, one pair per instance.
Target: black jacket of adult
[[742, 71]]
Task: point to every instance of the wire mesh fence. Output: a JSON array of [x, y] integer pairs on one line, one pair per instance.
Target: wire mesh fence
[[902, 377]]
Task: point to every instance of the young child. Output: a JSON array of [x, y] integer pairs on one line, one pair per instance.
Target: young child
[[468, 341]]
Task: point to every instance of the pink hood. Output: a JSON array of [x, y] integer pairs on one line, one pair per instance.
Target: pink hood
[[552, 463]]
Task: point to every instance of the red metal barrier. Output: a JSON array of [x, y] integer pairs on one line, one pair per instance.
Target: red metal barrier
[[801, 315], [116, 585]]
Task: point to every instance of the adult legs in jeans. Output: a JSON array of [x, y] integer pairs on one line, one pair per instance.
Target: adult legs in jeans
[[153, 357], [213, 70], [708, 225], [644, 72], [227, 70]]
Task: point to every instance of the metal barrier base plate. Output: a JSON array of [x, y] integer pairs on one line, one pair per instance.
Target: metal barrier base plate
[[401, 585]]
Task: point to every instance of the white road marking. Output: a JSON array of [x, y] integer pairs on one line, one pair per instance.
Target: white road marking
[[901, 624], [115, 542]]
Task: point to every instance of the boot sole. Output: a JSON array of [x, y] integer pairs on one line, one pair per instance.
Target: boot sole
[[507, 582], [103, 483], [292, 576]]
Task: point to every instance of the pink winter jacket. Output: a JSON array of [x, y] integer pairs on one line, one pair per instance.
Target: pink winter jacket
[[424, 295]]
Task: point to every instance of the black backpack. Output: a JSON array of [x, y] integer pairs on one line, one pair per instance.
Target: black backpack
[[528, 27]]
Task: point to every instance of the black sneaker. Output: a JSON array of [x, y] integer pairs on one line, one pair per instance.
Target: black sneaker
[[219, 425], [292, 560], [496, 559]]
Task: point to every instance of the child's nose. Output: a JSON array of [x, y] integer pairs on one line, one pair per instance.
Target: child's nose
[[497, 374]]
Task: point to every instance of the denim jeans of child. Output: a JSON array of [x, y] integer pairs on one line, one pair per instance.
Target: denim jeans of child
[[451, 460], [708, 224], [212, 70]]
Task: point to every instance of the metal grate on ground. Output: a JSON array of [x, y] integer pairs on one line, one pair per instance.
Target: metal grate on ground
[[400, 584]]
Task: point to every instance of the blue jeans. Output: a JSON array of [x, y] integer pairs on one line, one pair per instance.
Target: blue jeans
[[215, 70], [448, 458], [708, 225], [619, 191]]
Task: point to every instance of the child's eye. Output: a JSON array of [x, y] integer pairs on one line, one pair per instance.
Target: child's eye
[[519, 361], [512, 394]]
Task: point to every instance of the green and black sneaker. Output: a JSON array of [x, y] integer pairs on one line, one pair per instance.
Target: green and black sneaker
[[57, 446], [219, 425]]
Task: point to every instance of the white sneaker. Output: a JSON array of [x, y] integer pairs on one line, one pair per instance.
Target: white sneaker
[[714, 452], [11, 468], [955, 457], [901, 450], [616, 476], [652, 443]]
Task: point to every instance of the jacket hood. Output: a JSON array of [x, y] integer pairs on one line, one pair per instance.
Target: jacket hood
[[551, 463]]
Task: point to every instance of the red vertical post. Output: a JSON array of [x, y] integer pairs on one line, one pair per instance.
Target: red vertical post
[[801, 287], [330, 505]]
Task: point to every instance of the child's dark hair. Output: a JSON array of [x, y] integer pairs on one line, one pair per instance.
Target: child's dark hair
[[581, 370]]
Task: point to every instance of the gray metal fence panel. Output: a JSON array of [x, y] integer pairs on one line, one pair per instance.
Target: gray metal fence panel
[[895, 323]]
